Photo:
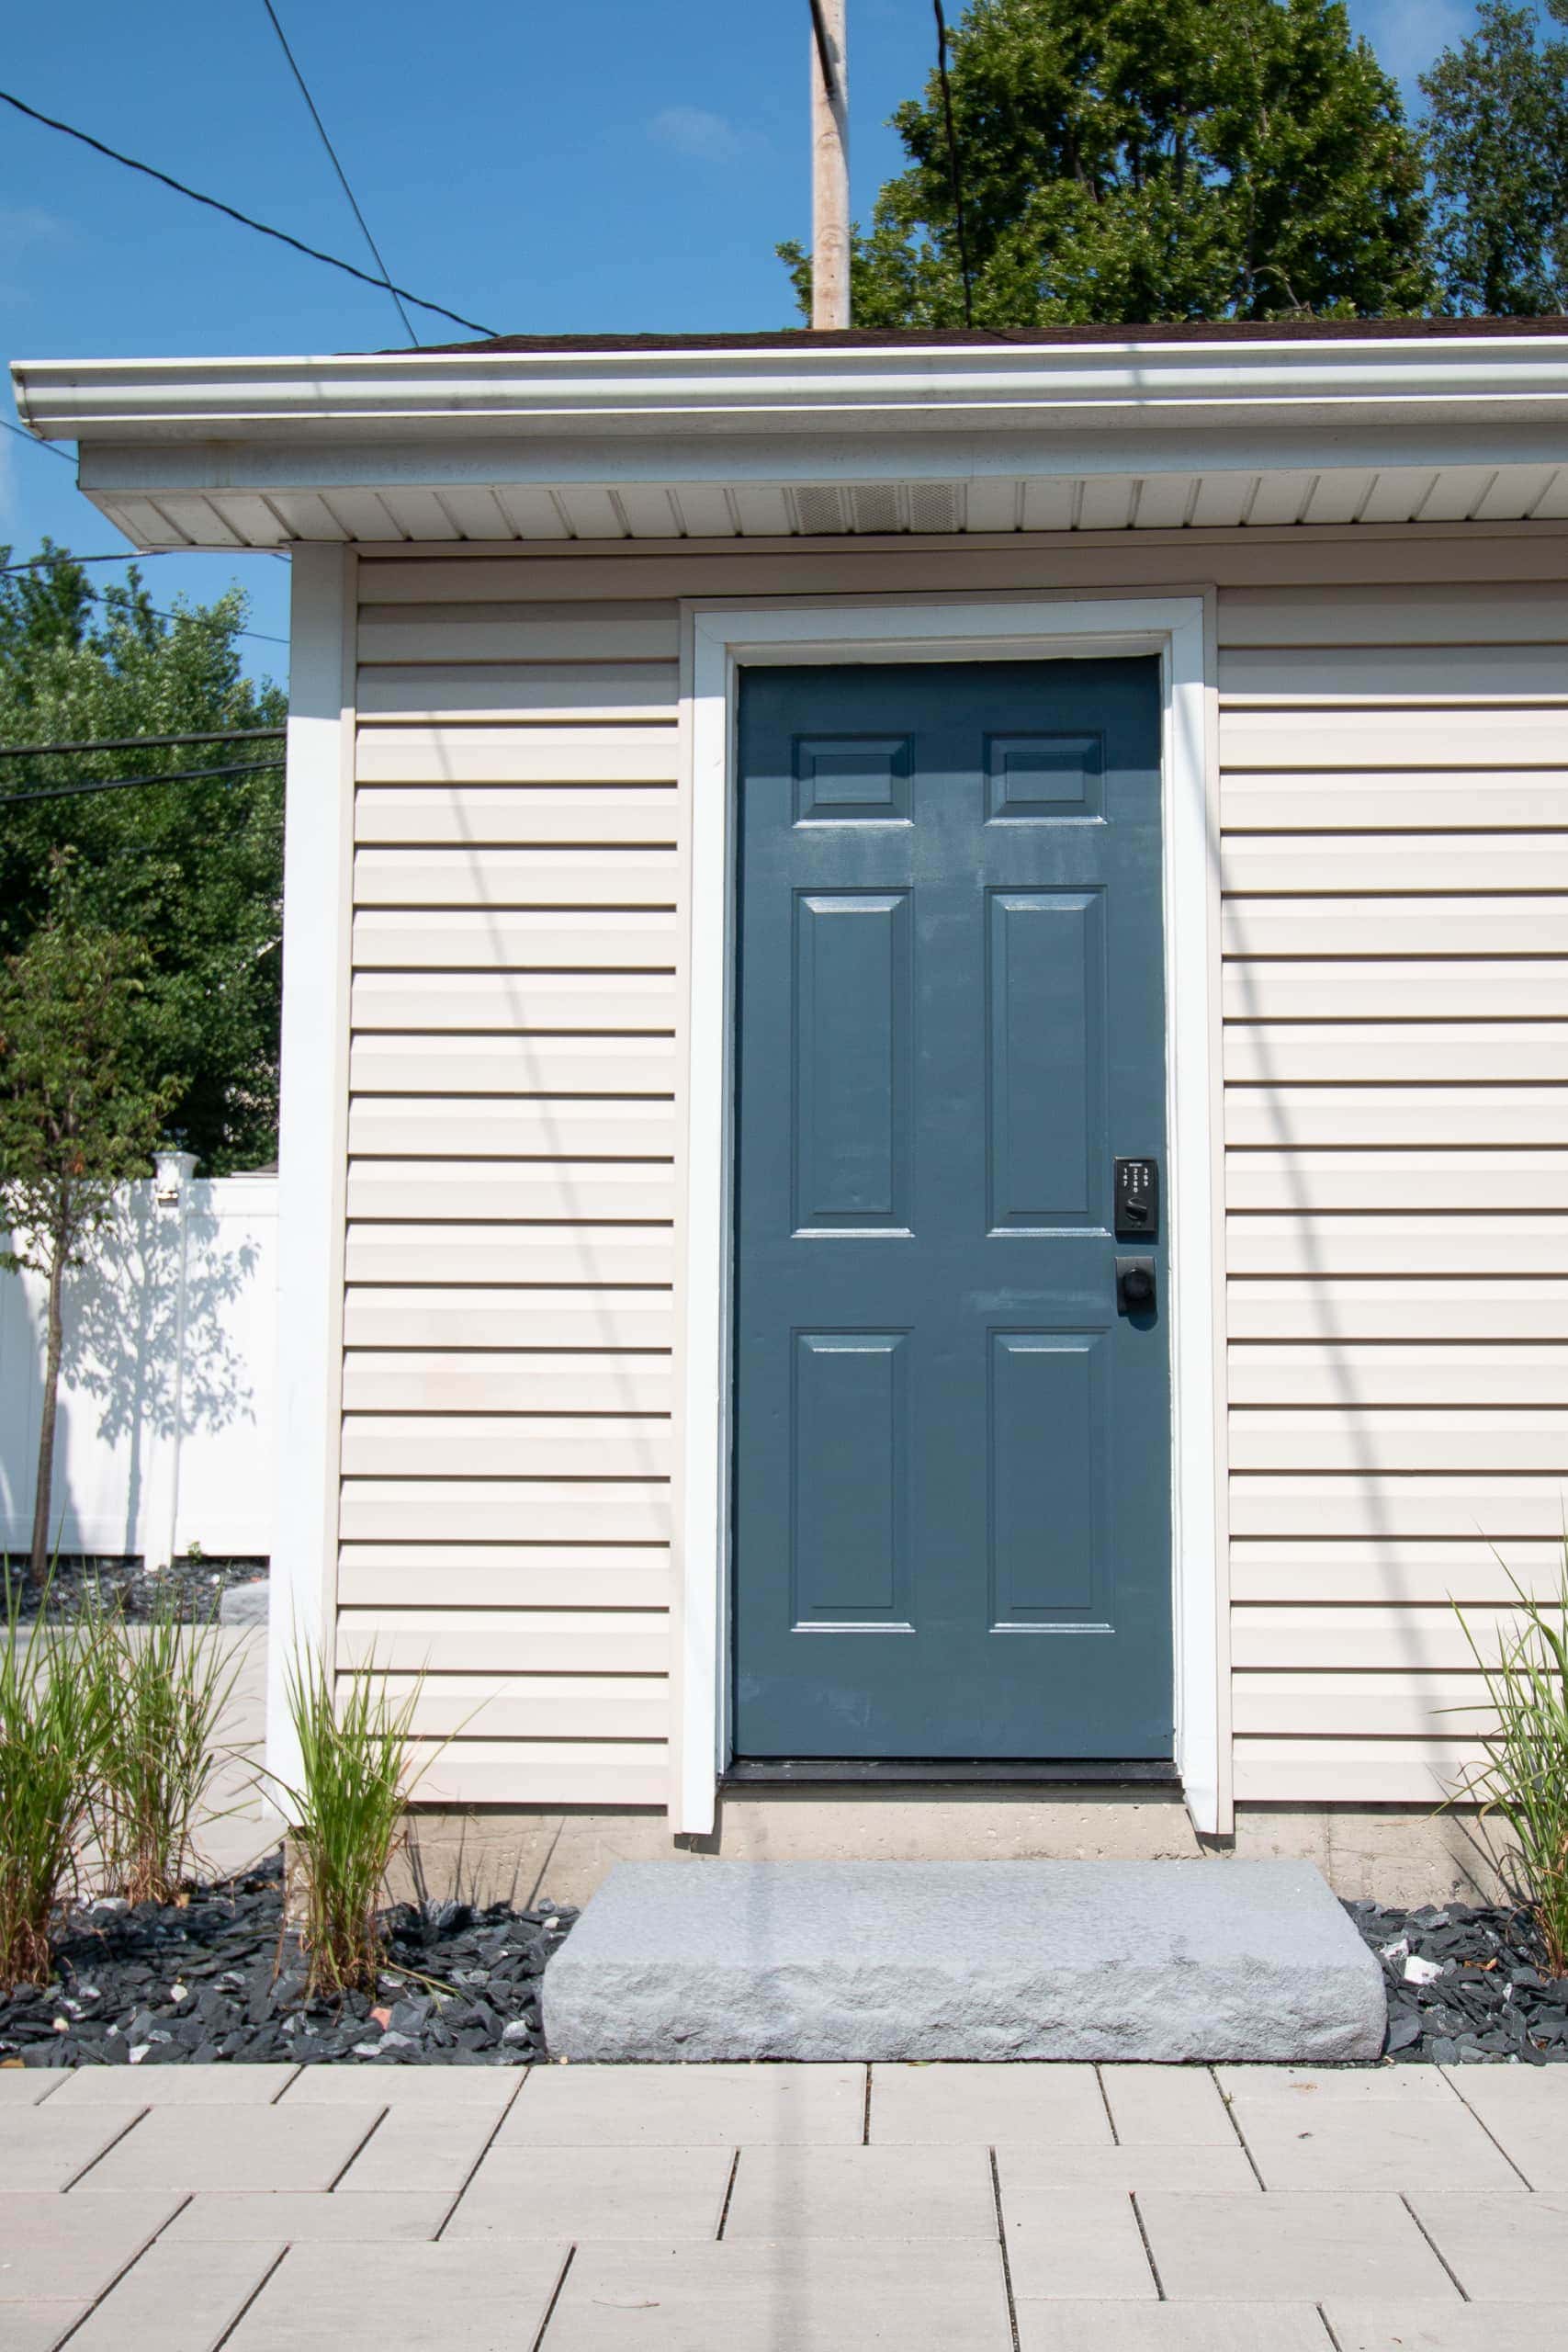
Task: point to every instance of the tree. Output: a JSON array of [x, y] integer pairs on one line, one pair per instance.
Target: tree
[[77, 1117], [193, 870], [1496, 133], [1127, 160]]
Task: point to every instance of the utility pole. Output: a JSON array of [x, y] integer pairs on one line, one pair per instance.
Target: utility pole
[[829, 167]]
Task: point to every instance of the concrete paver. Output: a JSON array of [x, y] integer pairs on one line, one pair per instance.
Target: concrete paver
[[177, 2299], [546, 2192], [826, 2296], [689, 2107], [189, 2148], [1171, 2327], [1289, 2249], [439, 2087], [1501, 2249], [1166, 2107], [406, 2298], [987, 2103], [29, 2086], [40, 2148], [236, 2217], [71, 2248], [38, 2327], [1301, 2139], [920, 2192], [101, 2087], [419, 2147], [174, 2241], [1526, 2110], [1446, 2327], [1076, 2244], [1356, 2085], [1128, 2170]]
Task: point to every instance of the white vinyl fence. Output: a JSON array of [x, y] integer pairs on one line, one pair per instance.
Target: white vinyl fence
[[164, 1436]]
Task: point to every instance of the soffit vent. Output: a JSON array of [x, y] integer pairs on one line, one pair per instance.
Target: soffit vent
[[934, 506], [820, 510], [877, 509]]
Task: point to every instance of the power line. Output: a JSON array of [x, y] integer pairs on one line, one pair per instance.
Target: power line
[[343, 175], [39, 562], [125, 782], [138, 743], [51, 448], [954, 175], [313, 253]]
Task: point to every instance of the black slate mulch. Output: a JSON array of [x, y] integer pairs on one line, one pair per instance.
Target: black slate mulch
[[1467, 1984], [213, 1978], [127, 1584]]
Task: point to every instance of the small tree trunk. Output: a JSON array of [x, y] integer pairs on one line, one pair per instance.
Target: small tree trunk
[[52, 1350]]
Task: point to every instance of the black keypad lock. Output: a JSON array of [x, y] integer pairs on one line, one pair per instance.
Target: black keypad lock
[[1137, 1200]]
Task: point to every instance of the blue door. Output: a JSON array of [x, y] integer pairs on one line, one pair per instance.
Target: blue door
[[951, 1473]]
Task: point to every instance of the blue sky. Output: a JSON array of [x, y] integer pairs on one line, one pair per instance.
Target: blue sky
[[600, 164]]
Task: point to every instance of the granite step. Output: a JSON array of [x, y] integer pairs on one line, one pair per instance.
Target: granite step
[[1167, 1960]]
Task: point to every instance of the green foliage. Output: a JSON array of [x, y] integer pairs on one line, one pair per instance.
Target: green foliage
[[54, 1710], [193, 870], [171, 1681], [348, 1813], [78, 1115], [1129, 161], [1525, 1778], [1497, 135]]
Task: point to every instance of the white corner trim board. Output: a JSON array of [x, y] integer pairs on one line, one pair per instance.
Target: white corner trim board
[[313, 1126], [718, 641]]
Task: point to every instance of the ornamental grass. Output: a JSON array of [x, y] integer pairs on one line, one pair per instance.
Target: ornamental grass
[[56, 1703], [1525, 1778], [355, 1752], [172, 1679]]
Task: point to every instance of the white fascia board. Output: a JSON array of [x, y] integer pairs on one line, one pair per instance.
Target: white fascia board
[[130, 467], [777, 392]]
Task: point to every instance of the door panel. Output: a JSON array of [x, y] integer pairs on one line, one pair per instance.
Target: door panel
[[951, 1454], [852, 1059]]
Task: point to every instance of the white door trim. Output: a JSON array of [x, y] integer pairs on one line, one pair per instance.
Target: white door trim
[[718, 641]]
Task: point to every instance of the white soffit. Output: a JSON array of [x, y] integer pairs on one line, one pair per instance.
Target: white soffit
[[797, 441]]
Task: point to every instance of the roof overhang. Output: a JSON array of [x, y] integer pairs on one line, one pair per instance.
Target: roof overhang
[[718, 441]]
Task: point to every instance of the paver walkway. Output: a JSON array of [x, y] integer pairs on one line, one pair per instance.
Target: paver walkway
[[785, 2209]]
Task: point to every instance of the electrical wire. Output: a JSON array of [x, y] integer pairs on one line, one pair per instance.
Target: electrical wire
[[954, 169], [39, 562], [139, 743], [51, 447], [313, 253], [343, 175], [126, 782]]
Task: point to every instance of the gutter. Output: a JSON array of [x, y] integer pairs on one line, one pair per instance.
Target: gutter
[[1430, 381]]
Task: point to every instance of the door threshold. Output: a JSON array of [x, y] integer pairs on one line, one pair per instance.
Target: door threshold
[[791, 1771]]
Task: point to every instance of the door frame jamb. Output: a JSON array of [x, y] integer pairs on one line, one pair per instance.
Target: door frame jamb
[[718, 638]]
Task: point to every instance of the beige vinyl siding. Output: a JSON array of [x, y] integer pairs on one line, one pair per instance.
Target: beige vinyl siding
[[1393, 729], [1394, 805], [509, 1323]]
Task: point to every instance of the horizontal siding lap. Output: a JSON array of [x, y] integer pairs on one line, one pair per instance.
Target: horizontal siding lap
[[1392, 1571], [480, 816], [391, 1576]]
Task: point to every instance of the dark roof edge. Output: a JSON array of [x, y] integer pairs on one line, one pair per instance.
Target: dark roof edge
[[1040, 339]]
